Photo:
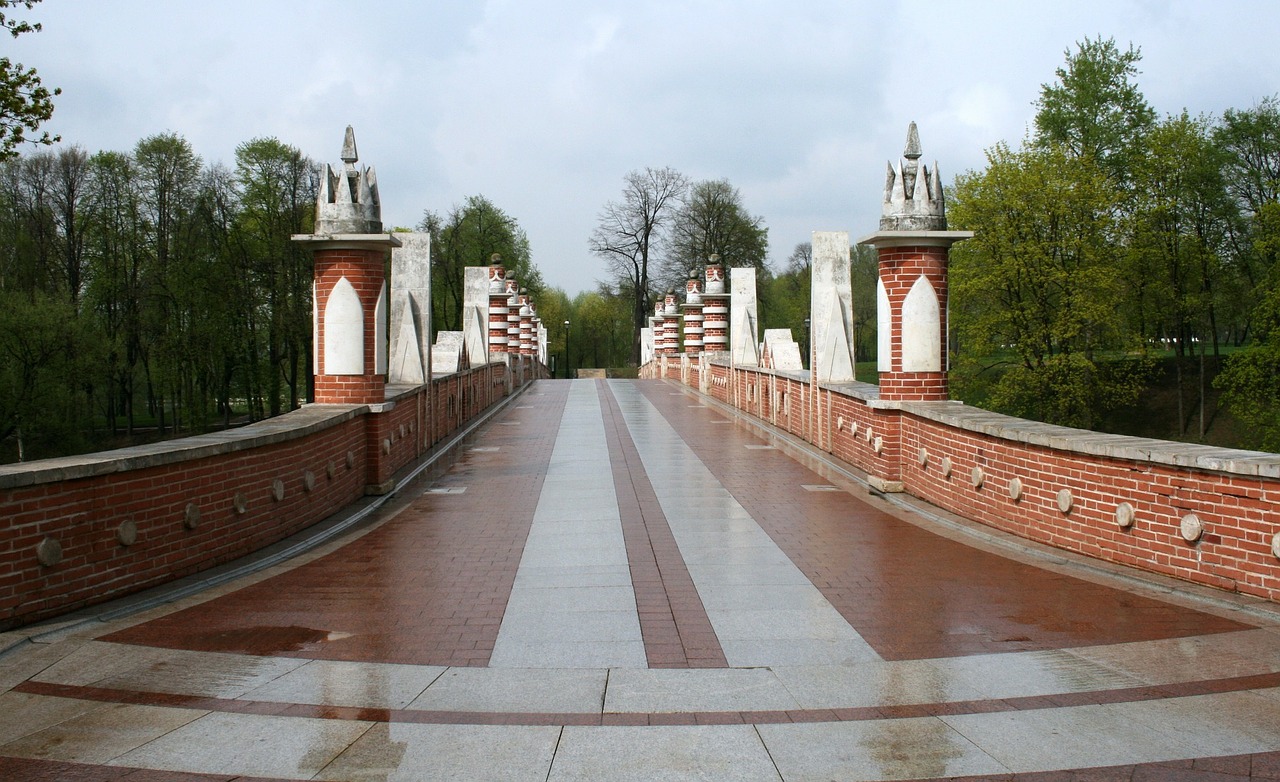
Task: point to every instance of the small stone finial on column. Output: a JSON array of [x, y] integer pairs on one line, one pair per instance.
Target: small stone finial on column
[[348, 201], [913, 192]]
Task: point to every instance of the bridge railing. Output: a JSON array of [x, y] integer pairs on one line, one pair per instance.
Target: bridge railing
[[1203, 514], [84, 529]]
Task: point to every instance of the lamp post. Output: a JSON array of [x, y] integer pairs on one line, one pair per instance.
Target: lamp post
[[567, 373]]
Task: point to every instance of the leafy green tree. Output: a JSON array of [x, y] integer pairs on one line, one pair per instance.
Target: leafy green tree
[[24, 101], [1095, 108], [712, 220], [629, 235], [1038, 285], [1250, 379], [1180, 218], [276, 192], [42, 346], [471, 234]]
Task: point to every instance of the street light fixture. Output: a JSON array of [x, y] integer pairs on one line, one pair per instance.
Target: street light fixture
[[567, 372]]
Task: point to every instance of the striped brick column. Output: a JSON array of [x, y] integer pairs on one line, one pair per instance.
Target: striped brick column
[[715, 309], [526, 325], [349, 325], [497, 308], [513, 316], [671, 322], [693, 314]]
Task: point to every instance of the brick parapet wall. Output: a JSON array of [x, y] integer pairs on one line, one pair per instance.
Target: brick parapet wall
[[187, 505], [966, 460]]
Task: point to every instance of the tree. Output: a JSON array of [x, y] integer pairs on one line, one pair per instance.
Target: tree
[[1180, 216], [1095, 109], [712, 220], [276, 187], [1038, 282], [471, 234], [24, 101], [629, 233]]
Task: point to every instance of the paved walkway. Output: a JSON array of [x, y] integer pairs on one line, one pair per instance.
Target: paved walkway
[[618, 581]]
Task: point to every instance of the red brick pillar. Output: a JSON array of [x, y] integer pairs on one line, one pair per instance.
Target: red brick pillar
[[350, 327], [912, 313]]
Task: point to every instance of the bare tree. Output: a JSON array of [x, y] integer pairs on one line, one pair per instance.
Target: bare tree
[[630, 231]]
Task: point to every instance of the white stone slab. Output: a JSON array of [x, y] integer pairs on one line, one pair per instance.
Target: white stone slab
[[724, 753]]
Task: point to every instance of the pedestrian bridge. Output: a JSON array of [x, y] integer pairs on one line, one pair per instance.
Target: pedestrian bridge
[[604, 579]]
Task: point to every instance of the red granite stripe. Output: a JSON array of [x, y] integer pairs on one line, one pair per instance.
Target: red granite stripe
[[1260, 765], [911, 593], [852, 714], [428, 586], [673, 621]]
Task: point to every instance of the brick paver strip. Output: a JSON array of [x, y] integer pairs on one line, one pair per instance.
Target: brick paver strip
[[910, 593], [1262, 765], [428, 587], [673, 621], [851, 714]]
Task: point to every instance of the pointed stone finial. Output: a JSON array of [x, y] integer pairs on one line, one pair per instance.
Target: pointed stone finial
[[349, 147], [912, 151], [348, 201], [913, 197]]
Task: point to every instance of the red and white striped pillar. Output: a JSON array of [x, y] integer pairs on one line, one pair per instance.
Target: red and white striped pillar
[[715, 308]]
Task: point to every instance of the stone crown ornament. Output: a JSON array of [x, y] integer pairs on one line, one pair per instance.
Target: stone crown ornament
[[348, 200], [913, 192]]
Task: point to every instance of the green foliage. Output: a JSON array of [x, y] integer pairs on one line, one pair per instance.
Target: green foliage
[[1040, 282], [712, 220], [24, 101], [44, 350], [1250, 381], [1095, 109], [470, 236]]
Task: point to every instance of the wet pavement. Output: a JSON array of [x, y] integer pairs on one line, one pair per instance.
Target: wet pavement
[[620, 580]]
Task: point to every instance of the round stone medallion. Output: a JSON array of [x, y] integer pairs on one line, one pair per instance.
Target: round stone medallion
[[386, 445], [331, 469], [1015, 489], [870, 434], [191, 517], [924, 458], [976, 477], [946, 467], [1275, 545], [127, 533], [49, 552], [351, 460], [309, 480], [878, 445], [1191, 528], [1065, 500], [1124, 515], [277, 490], [240, 502]]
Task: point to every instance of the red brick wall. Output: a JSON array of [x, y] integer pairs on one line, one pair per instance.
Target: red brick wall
[[81, 503], [1240, 513]]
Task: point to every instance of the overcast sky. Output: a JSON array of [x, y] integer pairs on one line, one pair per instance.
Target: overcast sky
[[544, 107]]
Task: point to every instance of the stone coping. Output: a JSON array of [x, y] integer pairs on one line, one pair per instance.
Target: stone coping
[[1232, 461], [1113, 446], [303, 422]]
